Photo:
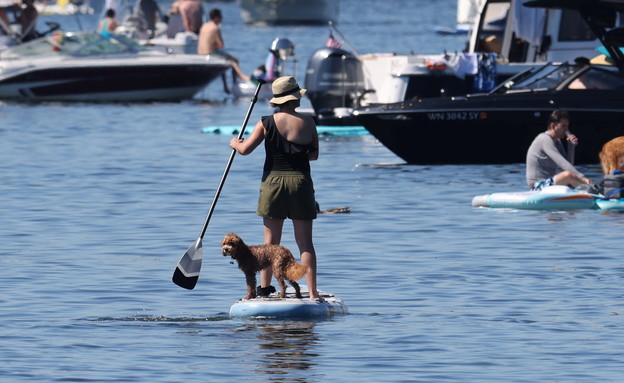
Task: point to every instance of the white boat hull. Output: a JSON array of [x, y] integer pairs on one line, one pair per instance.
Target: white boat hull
[[248, 89]]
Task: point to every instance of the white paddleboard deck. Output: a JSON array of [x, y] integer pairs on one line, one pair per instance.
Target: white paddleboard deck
[[610, 204], [556, 197], [290, 307]]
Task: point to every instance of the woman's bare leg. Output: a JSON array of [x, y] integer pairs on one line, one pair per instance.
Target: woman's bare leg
[[303, 236], [272, 236]]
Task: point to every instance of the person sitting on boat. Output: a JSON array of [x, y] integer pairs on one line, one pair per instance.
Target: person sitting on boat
[[108, 24], [547, 154], [210, 41]]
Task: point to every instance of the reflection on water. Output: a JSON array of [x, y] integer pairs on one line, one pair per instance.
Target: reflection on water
[[284, 348]]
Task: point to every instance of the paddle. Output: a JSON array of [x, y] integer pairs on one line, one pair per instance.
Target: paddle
[[187, 272]]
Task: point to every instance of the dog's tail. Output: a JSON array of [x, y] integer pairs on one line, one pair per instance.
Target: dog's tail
[[296, 271]]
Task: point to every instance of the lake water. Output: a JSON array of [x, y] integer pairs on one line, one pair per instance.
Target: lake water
[[99, 202]]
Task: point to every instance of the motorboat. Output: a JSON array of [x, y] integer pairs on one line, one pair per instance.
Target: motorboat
[[278, 12], [88, 67], [181, 42], [507, 38], [169, 36], [499, 126], [467, 14], [64, 7], [178, 42]]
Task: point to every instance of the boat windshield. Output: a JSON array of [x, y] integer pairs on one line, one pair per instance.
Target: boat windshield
[[568, 76], [596, 78], [74, 44], [545, 77]]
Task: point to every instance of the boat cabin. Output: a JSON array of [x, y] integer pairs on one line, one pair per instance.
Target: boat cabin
[[520, 34]]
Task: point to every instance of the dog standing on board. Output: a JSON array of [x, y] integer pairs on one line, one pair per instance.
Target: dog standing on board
[[251, 259], [612, 155]]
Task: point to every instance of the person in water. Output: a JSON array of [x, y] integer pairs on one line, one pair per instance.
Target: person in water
[[286, 191], [547, 154], [108, 24]]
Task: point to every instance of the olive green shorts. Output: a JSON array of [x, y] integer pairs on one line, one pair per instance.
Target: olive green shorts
[[287, 194]]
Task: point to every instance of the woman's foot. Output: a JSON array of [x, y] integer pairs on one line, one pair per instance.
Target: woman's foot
[[314, 295], [264, 292]]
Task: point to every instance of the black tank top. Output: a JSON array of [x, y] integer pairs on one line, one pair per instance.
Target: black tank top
[[282, 154]]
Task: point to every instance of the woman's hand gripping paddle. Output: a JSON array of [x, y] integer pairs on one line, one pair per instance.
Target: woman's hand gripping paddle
[[187, 271]]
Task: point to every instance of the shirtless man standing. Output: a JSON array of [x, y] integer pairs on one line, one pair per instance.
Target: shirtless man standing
[[210, 41], [192, 13]]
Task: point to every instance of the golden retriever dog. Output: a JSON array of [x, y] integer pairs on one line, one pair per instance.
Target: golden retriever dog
[[612, 155], [254, 258]]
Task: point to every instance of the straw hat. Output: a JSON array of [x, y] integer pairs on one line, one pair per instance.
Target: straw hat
[[286, 89]]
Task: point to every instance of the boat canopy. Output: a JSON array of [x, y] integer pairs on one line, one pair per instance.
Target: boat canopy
[[518, 33]]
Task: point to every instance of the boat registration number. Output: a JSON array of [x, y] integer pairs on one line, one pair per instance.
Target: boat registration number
[[453, 116]]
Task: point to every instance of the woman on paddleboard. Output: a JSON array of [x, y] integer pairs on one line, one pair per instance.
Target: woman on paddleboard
[[286, 191]]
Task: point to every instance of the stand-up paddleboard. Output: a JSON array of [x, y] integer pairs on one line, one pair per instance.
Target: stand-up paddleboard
[[610, 204], [556, 197], [321, 129], [290, 307]]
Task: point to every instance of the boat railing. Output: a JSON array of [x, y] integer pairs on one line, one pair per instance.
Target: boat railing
[[549, 74]]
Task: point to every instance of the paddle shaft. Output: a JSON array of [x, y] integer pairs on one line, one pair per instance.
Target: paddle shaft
[[254, 99]]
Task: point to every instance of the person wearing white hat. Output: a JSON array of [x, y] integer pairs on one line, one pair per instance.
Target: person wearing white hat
[[286, 191]]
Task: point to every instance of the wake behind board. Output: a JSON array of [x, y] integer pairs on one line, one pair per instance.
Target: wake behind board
[[290, 307]]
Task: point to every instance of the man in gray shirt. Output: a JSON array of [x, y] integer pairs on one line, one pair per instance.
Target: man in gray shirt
[[546, 154]]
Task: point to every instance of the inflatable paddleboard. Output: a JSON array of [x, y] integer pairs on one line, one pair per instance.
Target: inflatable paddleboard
[[321, 129], [610, 204], [555, 197], [290, 307]]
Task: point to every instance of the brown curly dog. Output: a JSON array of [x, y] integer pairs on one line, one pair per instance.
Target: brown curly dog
[[254, 258], [612, 155]]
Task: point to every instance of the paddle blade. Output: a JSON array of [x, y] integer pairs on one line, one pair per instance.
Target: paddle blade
[[187, 272]]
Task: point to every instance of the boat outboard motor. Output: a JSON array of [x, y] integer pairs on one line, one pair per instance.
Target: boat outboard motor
[[334, 79], [283, 47]]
